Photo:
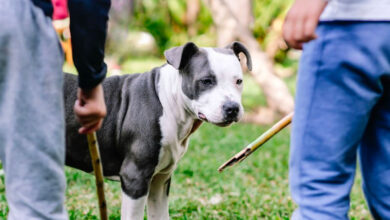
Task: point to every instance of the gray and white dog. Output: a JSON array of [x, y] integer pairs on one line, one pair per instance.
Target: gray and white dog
[[150, 117]]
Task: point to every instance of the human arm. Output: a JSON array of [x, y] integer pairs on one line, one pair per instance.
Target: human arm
[[301, 22], [88, 26]]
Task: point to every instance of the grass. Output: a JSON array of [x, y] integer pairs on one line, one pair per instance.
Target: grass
[[254, 189]]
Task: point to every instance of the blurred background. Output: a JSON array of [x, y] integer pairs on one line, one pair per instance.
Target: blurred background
[[139, 32]]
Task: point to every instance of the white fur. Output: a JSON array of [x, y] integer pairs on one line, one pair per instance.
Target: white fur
[[177, 120], [115, 178], [176, 123], [227, 69], [158, 198], [132, 209], [179, 111]]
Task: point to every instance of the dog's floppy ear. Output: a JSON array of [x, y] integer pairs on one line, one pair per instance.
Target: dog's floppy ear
[[238, 47], [178, 57]]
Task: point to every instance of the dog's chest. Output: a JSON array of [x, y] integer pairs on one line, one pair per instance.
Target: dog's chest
[[174, 143]]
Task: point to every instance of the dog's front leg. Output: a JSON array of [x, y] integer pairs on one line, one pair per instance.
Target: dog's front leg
[[132, 209], [157, 206], [135, 182]]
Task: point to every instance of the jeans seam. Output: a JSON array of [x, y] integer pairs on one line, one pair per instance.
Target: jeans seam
[[319, 64]]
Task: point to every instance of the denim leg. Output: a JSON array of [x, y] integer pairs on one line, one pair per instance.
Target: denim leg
[[375, 157], [338, 86], [32, 147]]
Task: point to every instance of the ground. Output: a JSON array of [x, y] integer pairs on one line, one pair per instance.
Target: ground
[[255, 189]]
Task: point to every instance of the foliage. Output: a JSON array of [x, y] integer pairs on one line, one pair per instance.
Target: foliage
[[164, 19], [265, 12]]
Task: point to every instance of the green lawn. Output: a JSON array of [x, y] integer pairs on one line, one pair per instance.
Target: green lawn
[[254, 189]]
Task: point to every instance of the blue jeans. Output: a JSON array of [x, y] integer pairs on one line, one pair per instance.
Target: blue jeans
[[32, 148], [342, 111]]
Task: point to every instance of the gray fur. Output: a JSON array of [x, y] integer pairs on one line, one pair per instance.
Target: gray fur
[[131, 135], [193, 85], [178, 57], [168, 183], [188, 62], [238, 48], [129, 139]]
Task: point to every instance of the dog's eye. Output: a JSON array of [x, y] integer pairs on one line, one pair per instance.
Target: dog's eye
[[239, 81], [206, 82]]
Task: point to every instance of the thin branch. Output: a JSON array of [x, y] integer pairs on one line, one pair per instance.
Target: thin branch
[[98, 170]]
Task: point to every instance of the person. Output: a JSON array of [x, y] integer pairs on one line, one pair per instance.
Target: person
[[342, 106], [61, 26], [32, 148]]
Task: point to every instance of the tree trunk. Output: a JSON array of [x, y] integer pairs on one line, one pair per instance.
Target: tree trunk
[[232, 19], [193, 8]]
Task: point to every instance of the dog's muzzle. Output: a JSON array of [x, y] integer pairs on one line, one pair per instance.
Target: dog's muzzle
[[230, 111]]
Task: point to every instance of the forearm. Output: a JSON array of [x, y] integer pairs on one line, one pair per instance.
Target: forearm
[[88, 26], [301, 22]]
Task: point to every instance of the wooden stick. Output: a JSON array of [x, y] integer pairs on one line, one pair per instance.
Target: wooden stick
[[248, 150], [98, 170]]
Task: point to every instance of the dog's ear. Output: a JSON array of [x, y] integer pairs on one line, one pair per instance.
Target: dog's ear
[[238, 47], [178, 57]]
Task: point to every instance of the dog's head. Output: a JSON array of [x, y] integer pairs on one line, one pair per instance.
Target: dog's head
[[211, 80]]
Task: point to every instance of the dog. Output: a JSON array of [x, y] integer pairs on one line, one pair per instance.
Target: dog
[[150, 117]]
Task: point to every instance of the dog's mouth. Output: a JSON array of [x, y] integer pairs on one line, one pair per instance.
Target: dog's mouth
[[225, 123], [202, 117]]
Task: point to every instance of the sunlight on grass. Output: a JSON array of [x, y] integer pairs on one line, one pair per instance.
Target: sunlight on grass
[[254, 189]]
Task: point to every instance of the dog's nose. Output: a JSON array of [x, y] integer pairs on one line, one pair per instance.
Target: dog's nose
[[231, 110]]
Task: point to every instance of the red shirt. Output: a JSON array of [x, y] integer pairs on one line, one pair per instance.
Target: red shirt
[[60, 9]]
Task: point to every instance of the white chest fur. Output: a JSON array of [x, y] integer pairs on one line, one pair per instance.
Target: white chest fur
[[173, 148], [176, 122]]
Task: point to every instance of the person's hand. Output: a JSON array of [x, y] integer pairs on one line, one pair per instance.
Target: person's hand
[[301, 22], [90, 109]]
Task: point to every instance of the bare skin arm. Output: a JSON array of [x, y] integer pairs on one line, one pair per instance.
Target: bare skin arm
[[90, 109], [301, 22]]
